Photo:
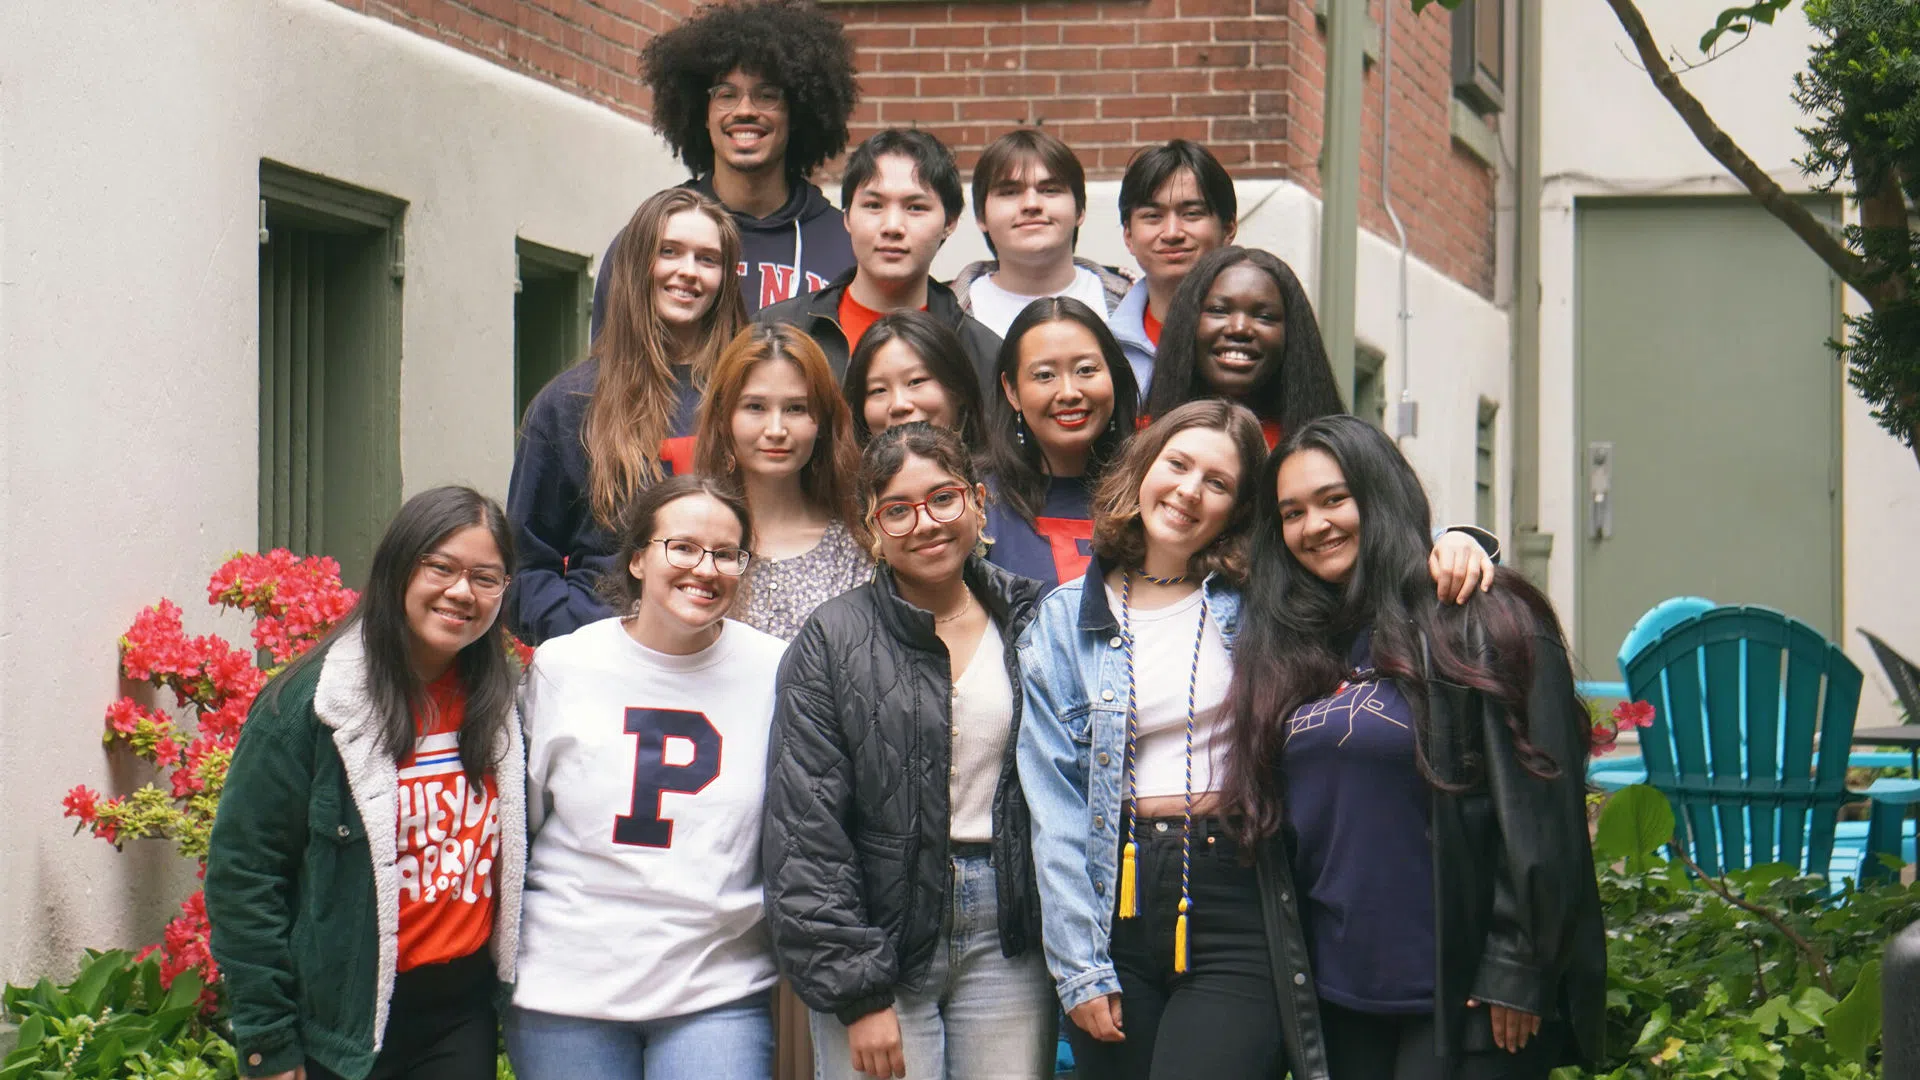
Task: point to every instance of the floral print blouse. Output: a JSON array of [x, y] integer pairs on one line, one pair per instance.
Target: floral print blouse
[[781, 593]]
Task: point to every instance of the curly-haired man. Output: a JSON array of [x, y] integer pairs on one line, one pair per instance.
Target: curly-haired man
[[753, 95]]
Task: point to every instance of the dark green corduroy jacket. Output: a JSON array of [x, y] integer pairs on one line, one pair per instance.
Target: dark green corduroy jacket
[[302, 889]]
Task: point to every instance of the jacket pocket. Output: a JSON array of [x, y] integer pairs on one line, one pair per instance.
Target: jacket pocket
[[887, 878], [338, 858], [333, 937], [1079, 726]]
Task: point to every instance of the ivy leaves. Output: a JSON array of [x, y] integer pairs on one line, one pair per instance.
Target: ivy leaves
[[1700, 986]]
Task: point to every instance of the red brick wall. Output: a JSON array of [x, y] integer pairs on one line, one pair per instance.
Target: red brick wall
[[586, 47], [1107, 76], [1245, 77]]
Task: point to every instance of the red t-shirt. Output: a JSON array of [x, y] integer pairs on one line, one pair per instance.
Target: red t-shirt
[[1151, 325], [448, 837], [856, 319]]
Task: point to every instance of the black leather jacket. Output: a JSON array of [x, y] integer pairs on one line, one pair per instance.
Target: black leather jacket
[[855, 844], [1517, 907]]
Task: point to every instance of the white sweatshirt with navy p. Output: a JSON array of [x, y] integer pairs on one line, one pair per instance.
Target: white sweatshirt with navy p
[[646, 774]]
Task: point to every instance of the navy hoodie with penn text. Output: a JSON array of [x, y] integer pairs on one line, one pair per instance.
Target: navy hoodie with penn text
[[794, 250]]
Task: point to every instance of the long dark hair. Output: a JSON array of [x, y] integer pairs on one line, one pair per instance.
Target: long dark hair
[[1020, 472], [487, 675], [1298, 389], [944, 355], [1296, 629]]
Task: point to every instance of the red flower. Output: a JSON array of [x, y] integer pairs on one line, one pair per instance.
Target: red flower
[[154, 644], [294, 602], [1633, 714], [124, 716], [224, 723], [185, 946], [187, 782], [82, 802], [1604, 737]]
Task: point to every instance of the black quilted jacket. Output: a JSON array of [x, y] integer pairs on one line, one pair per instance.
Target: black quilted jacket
[[855, 844]]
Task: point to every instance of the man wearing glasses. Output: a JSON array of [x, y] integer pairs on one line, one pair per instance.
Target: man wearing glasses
[[753, 96]]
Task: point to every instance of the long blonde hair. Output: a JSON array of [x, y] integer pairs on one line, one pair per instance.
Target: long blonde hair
[[828, 476], [634, 400]]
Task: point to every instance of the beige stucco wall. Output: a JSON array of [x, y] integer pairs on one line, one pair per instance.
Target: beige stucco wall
[[1608, 132], [130, 142]]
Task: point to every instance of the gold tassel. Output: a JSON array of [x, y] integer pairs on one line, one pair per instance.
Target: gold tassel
[[1180, 939], [1129, 903]]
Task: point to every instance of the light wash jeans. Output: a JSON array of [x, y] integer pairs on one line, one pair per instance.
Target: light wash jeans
[[728, 1042], [979, 1016]]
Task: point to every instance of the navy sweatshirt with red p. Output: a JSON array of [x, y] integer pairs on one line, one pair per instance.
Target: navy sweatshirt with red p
[[1056, 545]]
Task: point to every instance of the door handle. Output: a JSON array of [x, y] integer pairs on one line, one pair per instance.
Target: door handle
[[1599, 490]]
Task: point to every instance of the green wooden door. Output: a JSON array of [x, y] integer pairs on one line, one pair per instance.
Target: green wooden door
[[1709, 416]]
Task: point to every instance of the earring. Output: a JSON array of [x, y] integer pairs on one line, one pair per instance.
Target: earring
[[1020, 428]]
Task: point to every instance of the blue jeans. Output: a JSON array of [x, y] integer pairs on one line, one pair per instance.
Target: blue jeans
[[728, 1042], [978, 1014]]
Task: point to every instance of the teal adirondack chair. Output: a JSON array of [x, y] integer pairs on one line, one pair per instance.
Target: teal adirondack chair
[[1751, 739], [1614, 773]]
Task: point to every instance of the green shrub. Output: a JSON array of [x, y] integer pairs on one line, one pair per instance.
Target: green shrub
[[115, 1020], [1761, 974]]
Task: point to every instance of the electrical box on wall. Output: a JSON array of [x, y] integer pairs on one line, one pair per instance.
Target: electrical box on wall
[[1406, 419]]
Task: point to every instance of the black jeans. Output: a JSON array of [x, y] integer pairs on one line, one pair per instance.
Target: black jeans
[[1218, 1020], [1370, 1046], [441, 1025]]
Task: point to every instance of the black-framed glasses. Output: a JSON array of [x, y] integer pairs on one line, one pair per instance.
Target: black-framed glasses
[[441, 572], [686, 555], [765, 96], [897, 517]]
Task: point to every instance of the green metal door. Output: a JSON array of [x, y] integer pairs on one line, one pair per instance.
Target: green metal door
[[1709, 416]]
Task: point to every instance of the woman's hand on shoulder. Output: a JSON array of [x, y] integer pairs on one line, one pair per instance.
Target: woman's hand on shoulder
[[1459, 565], [299, 1073]]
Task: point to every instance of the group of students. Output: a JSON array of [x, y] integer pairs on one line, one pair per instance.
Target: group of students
[[954, 657]]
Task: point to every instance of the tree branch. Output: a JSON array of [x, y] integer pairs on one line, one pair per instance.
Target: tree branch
[[1806, 948], [1851, 268], [1883, 208]]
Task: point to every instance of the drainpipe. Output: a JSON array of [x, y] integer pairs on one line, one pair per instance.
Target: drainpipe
[[1407, 419], [1340, 185], [1533, 548]]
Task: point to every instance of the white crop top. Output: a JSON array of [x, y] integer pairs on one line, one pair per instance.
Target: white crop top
[[1162, 670]]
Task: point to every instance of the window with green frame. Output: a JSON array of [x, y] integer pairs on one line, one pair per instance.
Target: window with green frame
[[1370, 387], [1486, 512], [552, 299], [332, 261]]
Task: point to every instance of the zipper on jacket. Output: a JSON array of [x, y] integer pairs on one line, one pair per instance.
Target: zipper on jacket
[[915, 834]]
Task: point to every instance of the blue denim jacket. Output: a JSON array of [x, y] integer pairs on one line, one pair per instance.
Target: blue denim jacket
[[1071, 753]]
